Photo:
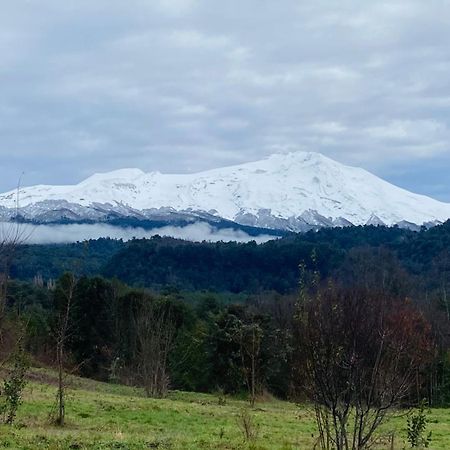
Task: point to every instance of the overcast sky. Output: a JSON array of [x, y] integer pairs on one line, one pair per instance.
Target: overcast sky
[[187, 85]]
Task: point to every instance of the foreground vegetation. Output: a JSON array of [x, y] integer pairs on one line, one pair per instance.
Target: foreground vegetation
[[106, 416], [363, 335]]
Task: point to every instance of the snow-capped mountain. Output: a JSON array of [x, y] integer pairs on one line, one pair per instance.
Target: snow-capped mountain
[[295, 191]]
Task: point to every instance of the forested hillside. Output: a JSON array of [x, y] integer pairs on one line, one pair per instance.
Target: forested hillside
[[250, 268]]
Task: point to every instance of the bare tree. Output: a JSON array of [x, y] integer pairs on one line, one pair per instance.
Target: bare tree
[[357, 358], [12, 235], [64, 297], [155, 333], [249, 337]]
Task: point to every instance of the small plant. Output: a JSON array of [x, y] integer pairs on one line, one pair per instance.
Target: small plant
[[416, 428], [114, 371], [221, 398], [13, 386], [247, 426]]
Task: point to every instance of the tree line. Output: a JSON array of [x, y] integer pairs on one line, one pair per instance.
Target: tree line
[[168, 339], [240, 267]]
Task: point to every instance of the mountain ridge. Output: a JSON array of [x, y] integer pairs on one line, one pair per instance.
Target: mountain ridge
[[295, 191]]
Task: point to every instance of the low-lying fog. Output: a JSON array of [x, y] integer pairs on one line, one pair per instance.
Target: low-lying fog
[[59, 234]]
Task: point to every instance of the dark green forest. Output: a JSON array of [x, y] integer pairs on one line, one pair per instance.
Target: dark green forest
[[245, 268]]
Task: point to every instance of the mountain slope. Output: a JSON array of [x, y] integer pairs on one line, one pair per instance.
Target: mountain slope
[[293, 191]]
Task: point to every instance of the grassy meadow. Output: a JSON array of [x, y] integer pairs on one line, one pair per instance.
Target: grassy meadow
[[105, 416]]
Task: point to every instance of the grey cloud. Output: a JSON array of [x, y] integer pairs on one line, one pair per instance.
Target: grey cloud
[[186, 85]]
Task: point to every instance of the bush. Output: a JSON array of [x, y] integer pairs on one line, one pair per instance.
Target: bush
[[416, 428], [13, 386], [248, 428]]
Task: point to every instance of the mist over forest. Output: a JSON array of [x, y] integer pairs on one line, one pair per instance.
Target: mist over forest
[[70, 233]]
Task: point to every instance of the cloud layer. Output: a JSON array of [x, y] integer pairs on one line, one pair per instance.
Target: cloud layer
[[62, 234], [187, 85]]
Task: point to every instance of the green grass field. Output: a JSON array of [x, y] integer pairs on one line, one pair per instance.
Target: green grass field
[[104, 416]]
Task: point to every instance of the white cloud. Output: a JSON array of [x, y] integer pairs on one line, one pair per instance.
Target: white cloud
[[194, 39], [328, 127], [61, 234], [409, 130], [174, 7]]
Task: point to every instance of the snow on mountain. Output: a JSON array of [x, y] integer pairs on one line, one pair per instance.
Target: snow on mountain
[[292, 191]]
